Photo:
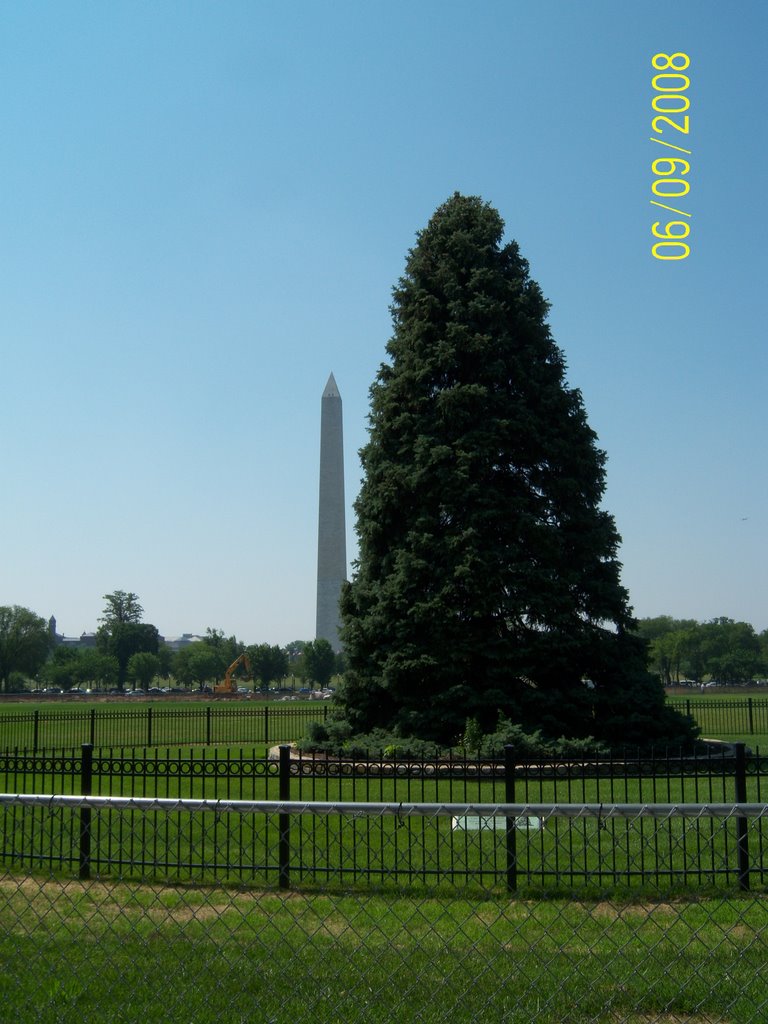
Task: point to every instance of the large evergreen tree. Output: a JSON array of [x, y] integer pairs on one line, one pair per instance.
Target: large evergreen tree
[[487, 577]]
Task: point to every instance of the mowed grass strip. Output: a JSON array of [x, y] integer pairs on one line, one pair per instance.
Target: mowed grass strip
[[158, 953]]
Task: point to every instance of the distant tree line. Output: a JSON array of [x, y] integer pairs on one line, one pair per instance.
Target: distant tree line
[[130, 652], [720, 650]]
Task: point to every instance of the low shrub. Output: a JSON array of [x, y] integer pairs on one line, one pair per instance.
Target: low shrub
[[335, 737]]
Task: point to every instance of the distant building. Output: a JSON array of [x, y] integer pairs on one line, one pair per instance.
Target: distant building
[[178, 643], [86, 641]]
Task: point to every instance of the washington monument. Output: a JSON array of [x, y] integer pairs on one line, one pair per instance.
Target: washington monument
[[331, 533]]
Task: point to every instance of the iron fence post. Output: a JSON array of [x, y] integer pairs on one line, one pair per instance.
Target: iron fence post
[[149, 725], [742, 833], [751, 719], [266, 725], [284, 820], [208, 725], [86, 784], [92, 729], [509, 797], [35, 733]]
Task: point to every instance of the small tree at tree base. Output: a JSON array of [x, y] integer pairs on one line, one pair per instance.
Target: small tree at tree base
[[488, 580]]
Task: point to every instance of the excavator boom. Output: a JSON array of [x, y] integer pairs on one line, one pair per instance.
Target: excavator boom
[[229, 685]]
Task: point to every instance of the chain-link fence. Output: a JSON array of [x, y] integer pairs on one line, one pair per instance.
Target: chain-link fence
[[135, 910]]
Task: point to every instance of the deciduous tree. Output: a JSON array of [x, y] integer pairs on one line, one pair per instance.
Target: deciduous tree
[[229, 647], [206, 664], [142, 668], [121, 606], [25, 642], [319, 661], [268, 663], [122, 633]]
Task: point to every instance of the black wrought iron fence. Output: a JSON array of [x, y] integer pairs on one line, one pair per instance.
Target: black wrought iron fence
[[734, 716], [156, 725], [730, 773], [220, 724], [284, 844], [714, 779]]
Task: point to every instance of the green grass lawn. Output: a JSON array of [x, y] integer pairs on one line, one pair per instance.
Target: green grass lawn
[[160, 954], [208, 946]]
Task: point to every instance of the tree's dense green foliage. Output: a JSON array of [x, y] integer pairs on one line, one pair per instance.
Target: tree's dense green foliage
[[122, 634], [268, 663], [25, 641], [121, 606], [123, 640], [488, 578], [720, 651], [142, 668], [200, 664], [67, 668], [319, 661]]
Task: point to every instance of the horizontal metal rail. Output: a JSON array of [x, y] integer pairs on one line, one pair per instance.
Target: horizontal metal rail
[[400, 810]]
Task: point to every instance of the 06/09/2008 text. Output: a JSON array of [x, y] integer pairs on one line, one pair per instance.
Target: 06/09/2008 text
[[671, 119]]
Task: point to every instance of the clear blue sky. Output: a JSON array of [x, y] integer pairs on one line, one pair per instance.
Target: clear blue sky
[[205, 205]]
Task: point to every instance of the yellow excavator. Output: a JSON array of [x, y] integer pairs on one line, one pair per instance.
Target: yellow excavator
[[229, 686]]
